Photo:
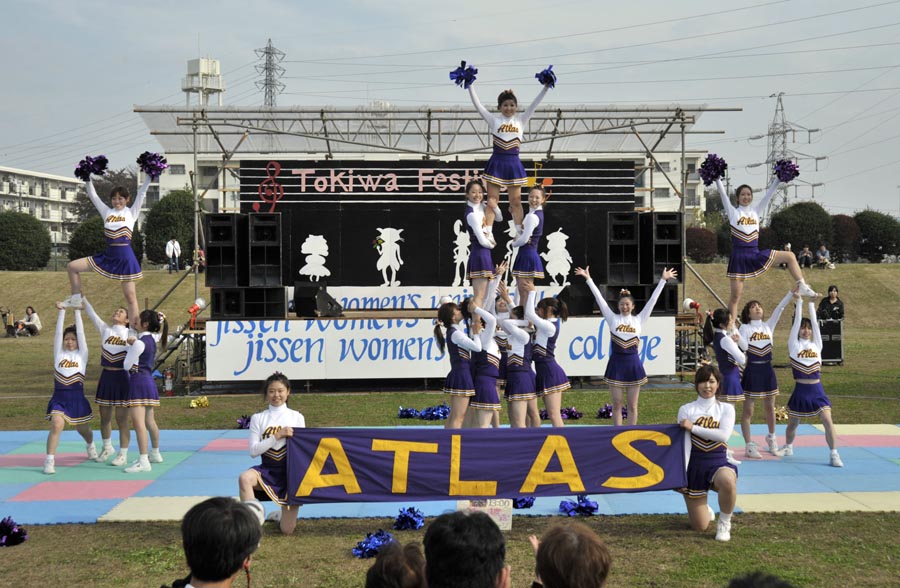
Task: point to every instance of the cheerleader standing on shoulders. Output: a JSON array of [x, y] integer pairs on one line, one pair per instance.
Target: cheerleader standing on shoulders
[[550, 379], [68, 404], [118, 262], [747, 260], [624, 372], [521, 388], [459, 384], [808, 398], [759, 379], [480, 266], [269, 431], [709, 423], [143, 395], [528, 265], [113, 385]]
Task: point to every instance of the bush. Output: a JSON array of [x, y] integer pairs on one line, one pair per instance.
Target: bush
[[804, 223], [880, 235], [846, 238], [172, 216], [88, 240], [701, 244], [24, 242]]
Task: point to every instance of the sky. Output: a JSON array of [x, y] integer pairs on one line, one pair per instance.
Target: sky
[[73, 71]]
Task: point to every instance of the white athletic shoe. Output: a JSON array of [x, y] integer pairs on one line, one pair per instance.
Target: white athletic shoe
[[787, 451], [119, 460], [729, 457], [772, 442], [751, 451], [712, 513], [805, 290], [274, 516], [49, 466], [723, 530], [155, 456], [836, 461], [138, 467], [105, 454], [92, 452], [73, 301]]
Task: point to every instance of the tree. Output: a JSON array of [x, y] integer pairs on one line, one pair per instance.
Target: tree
[[880, 235], [700, 244], [172, 216], [846, 238], [88, 239], [804, 223], [24, 242], [125, 177]]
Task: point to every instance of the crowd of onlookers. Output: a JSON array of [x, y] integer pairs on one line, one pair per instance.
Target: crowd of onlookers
[[820, 259]]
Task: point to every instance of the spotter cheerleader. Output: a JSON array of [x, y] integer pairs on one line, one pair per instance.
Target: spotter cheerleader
[[480, 266], [113, 385], [458, 384], [550, 379], [709, 423], [747, 260], [499, 307], [758, 380], [269, 431], [808, 398], [68, 404], [143, 396], [730, 359], [521, 395], [624, 372], [118, 262], [486, 369], [528, 266]]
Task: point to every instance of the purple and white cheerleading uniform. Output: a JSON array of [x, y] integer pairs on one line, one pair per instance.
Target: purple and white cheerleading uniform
[[113, 385], [713, 422], [460, 348], [747, 260], [528, 262], [139, 362], [730, 358], [520, 378], [550, 378], [272, 472], [807, 400], [118, 262], [480, 263], [68, 398], [758, 380], [486, 366]]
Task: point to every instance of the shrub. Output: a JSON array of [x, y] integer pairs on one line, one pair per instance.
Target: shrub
[[804, 223], [846, 238], [701, 244], [172, 216], [24, 242], [880, 235]]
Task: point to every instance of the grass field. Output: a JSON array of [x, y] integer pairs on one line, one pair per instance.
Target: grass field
[[833, 550]]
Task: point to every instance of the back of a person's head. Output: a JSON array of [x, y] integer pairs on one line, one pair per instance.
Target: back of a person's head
[[397, 566], [571, 555], [759, 580], [464, 550], [218, 535]]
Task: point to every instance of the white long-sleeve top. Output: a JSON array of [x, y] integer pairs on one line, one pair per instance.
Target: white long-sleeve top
[[730, 347], [508, 132], [264, 425], [118, 223], [626, 327], [516, 336], [475, 220], [114, 339], [757, 336], [460, 339], [488, 344], [529, 224], [135, 350], [713, 423], [70, 366], [806, 354], [545, 329], [744, 220]]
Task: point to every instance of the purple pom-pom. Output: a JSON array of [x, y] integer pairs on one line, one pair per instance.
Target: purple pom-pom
[[409, 518], [571, 413], [407, 413], [786, 170], [243, 422], [152, 164], [373, 542], [712, 168], [523, 502], [11, 533], [91, 165], [544, 415], [582, 506], [546, 77], [463, 75], [605, 411], [435, 413]]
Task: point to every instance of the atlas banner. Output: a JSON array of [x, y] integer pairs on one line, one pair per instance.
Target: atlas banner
[[386, 465], [239, 350]]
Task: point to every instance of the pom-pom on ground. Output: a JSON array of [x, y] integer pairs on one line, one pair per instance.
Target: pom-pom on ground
[[11, 533], [582, 507], [373, 542], [409, 518]]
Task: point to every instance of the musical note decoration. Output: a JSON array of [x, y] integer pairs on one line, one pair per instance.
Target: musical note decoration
[[270, 191]]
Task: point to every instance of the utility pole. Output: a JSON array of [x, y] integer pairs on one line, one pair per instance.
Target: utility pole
[[271, 71]]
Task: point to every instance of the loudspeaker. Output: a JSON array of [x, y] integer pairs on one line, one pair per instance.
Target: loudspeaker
[[326, 305], [578, 298], [311, 299]]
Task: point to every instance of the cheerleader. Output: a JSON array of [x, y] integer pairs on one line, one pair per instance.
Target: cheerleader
[[521, 395], [113, 386], [550, 379], [118, 262], [459, 384], [747, 260], [709, 423], [808, 398], [504, 169], [729, 357], [143, 395], [528, 265], [480, 266], [759, 379], [269, 431], [68, 404], [624, 372], [486, 371]]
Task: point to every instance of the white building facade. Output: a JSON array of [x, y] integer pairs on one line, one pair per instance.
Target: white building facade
[[47, 197]]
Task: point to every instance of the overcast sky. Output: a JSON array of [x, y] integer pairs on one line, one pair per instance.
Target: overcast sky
[[73, 71]]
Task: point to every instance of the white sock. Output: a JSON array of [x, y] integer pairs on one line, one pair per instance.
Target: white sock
[[788, 445], [90, 445], [123, 452], [154, 451], [834, 452], [50, 458], [144, 458], [725, 517], [107, 443]]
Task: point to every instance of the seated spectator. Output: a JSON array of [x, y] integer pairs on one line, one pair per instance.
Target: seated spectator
[[823, 258], [759, 580], [831, 307], [397, 566], [805, 257], [30, 325], [219, 536], [465, 549], [570, 555]]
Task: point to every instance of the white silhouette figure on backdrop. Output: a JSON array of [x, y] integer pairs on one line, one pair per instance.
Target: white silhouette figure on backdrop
[[461, 254], [387, 243], [316, 250], [559, 262]]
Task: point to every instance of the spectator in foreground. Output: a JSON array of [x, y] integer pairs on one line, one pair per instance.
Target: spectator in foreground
[[570, 555], [397, 566], [219, 536], [831, 307], [465, 549]]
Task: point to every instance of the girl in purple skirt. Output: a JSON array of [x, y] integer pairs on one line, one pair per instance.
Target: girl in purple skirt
[[118, 262], [143, 396], [747, 260], [459, 383], [480, 266], [808, 398], [550, 379], [68, 404], [521, 394], [528, 265], [269, 431]]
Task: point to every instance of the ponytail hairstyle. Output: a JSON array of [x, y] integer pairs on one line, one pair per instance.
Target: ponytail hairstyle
[[464, 309], [555, 306], [745, 312], [721, 317], [276, 377], [151, 317], [504, 96], [445, 318]]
